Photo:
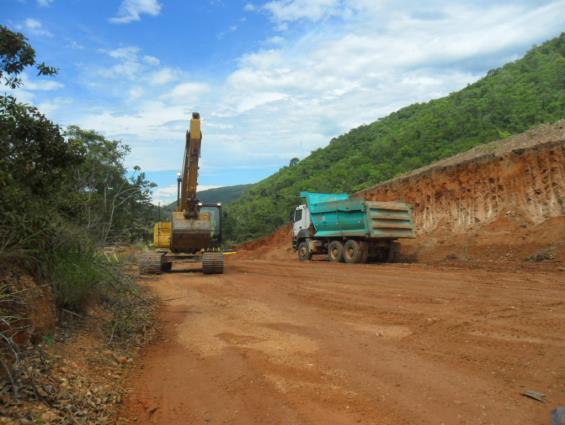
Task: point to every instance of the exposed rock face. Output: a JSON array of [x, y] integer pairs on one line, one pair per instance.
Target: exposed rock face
[[520, 180]]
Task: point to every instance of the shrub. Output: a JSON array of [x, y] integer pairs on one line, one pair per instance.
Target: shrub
[[78, 278]]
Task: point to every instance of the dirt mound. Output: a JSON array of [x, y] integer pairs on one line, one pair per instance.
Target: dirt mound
[[276, 246], [497, 203]]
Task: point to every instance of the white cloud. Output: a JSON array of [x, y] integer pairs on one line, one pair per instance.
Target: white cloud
[[126, 53], [35, 27], [75, 45], [52, 105], [294, 10], [164, 195], [249, 7], [151, 60], [44, 85], [186, 91], [130, 63], [32, 24], [44, 3], [131, 10], [276, 40], [163, 76], [135, 93]]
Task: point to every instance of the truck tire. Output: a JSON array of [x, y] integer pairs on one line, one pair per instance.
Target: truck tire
[[355, 251], [335, 252], [304, 252]]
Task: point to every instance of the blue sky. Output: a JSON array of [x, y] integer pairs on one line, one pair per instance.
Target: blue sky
[[272, 79]]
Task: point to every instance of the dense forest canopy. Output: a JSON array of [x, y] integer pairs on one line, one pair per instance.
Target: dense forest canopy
[[506, 101]]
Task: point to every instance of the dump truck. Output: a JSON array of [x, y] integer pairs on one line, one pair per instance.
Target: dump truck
[[194, 233], [349, 229]]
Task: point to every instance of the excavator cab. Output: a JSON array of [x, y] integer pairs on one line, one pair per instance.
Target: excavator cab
[[215, 213]]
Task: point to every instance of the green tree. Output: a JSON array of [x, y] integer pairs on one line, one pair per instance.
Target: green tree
[[108, 201], [16, 54], [293, 162]]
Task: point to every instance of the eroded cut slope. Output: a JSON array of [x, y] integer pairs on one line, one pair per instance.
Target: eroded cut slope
[[508, 194]]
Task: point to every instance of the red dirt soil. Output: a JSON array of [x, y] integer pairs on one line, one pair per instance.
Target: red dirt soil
[[276, 246], [319, 343]]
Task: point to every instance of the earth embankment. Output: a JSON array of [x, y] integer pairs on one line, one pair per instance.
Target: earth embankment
[[503, 201]]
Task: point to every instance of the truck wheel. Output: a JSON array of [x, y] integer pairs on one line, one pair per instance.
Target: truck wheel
[[355, 251], [304, 252], [335, 251]]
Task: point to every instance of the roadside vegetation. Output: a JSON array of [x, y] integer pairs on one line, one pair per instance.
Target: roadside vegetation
[[508, 100], [65, 194]]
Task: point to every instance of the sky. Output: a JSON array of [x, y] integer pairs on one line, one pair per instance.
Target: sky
[[272, 79]]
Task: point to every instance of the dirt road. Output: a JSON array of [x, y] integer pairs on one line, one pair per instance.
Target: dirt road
[[319, 343]]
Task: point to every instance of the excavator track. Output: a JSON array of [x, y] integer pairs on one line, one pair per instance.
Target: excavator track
[[213, 262], [151, 263]]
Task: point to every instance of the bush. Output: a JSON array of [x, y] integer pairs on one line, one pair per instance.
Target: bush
[[78, 278]]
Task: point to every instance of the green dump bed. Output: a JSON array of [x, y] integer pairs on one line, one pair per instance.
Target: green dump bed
[[337, 215]]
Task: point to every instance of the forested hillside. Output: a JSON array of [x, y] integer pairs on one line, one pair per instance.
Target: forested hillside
[[506, 101], [224, 195]]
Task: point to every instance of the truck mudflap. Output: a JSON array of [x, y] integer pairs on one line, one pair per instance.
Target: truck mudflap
[[390, 220]]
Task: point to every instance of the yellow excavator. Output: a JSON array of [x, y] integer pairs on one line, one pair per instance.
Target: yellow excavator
[[194, 233]]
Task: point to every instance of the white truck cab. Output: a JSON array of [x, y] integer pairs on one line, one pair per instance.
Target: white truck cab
[[301, 220]]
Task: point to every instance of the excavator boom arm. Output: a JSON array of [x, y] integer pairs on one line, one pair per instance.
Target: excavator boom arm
[[188, 200]]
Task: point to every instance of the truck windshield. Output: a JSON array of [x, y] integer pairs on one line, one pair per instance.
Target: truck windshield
[[298, 215]]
